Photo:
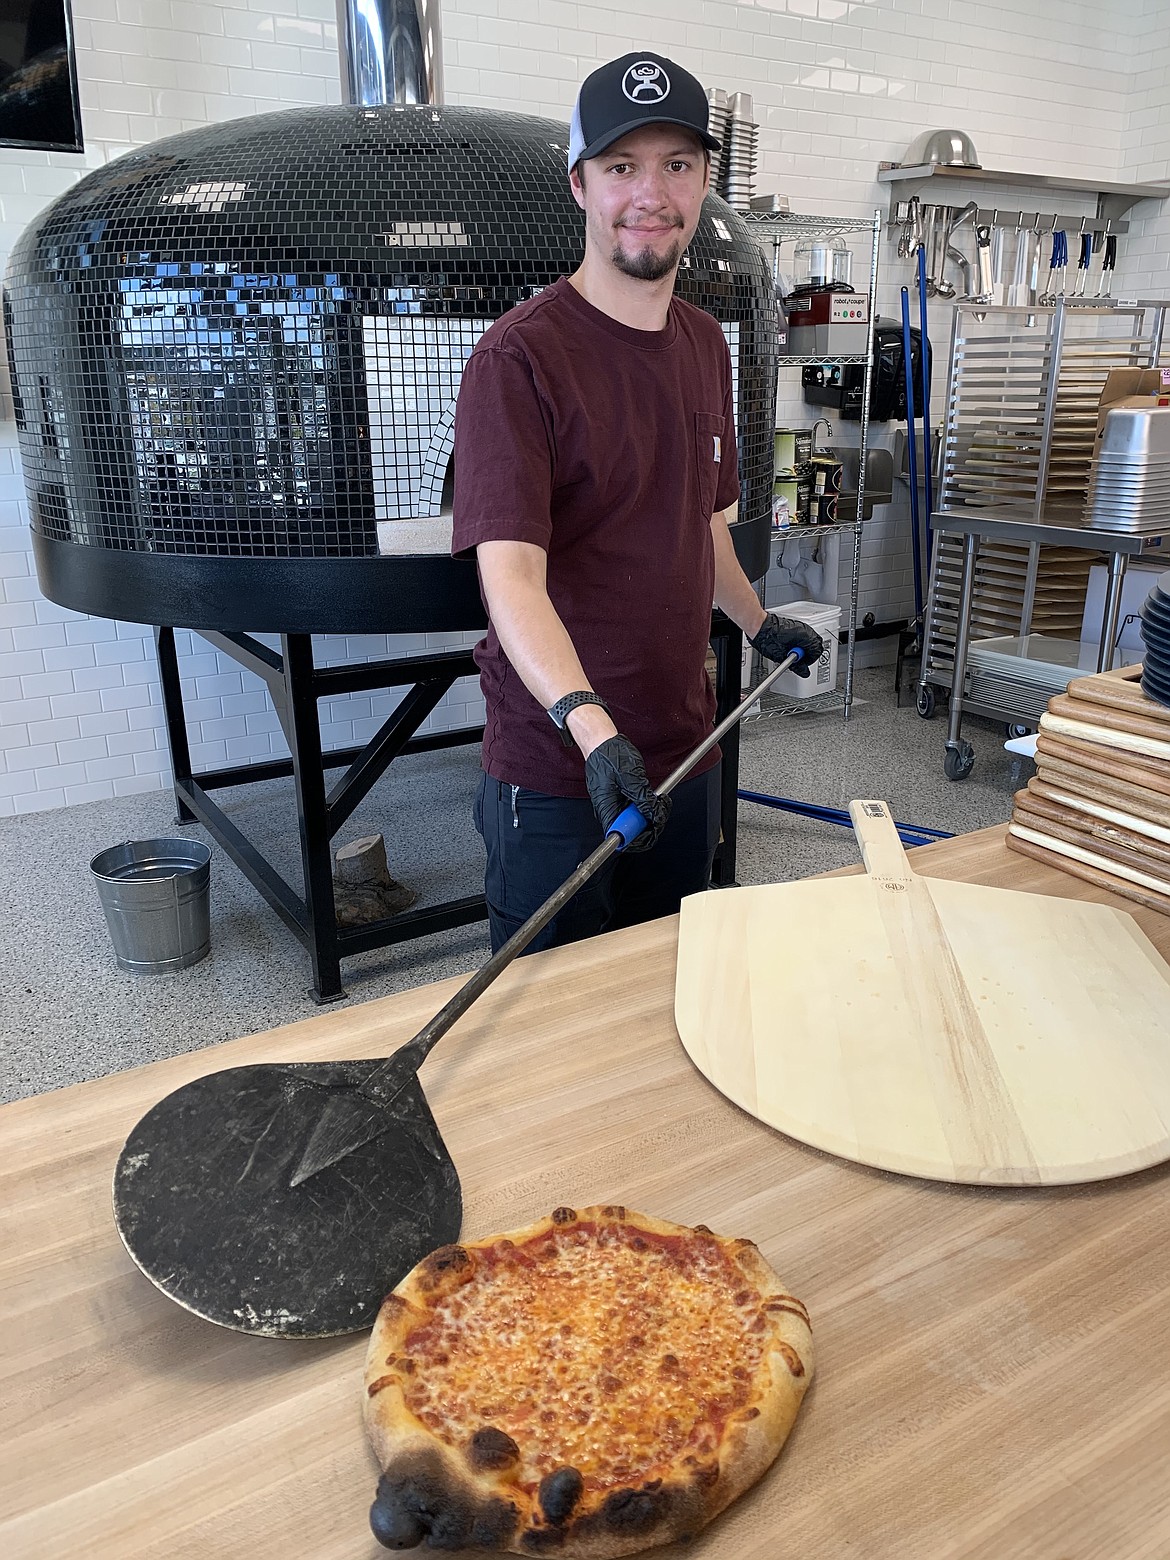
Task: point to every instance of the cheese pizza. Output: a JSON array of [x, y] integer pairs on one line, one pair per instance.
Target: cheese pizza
[[592, 1385]]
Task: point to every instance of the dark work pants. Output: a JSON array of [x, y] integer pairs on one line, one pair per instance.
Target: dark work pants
[[535, 841]]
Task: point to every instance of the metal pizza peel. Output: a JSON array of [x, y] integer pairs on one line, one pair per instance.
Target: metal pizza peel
[[287, 1199]]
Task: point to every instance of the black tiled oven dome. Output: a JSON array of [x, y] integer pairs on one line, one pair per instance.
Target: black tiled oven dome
[[236, 351]]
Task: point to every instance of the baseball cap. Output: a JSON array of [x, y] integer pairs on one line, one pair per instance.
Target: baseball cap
[[639, 89]]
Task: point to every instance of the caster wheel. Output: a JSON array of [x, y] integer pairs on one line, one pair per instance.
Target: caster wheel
[[959, 762], [1017, 729], [925, 702]]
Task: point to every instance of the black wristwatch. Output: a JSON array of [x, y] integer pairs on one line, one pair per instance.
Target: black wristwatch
[[572, 701]]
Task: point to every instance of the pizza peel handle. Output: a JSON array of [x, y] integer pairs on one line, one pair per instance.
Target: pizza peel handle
[[881, 848], [351, 1119]]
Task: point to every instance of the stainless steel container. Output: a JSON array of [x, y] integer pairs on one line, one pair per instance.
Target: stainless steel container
[[156, 897]]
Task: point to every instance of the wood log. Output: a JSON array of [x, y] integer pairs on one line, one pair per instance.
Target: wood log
[[363, 889]]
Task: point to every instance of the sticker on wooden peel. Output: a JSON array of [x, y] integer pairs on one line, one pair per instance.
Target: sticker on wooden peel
[[593, 1385]]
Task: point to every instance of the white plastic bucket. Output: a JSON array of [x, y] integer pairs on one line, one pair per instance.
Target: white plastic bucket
[[825, 618]]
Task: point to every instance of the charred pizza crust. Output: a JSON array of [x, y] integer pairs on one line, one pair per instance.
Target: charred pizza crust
[[712, 1358]]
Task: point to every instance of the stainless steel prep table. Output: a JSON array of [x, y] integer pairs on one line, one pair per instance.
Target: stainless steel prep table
[[977, 525]]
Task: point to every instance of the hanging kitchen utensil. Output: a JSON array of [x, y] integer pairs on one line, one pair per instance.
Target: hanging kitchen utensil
[[997, 245], [1083, 263], [924, 363], [983, 262], [960, 259], [943, 288], [912, 230], [1017, 290], [286, 1199], [1108, 261], [1034, 266], [926, 253], [1056, 265], [967, 214]]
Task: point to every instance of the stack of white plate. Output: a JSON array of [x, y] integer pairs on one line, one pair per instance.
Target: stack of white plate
[[717, 125], [1129, 489], [741, 153]]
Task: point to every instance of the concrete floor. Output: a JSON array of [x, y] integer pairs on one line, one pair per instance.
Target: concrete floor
[[69, 1014]]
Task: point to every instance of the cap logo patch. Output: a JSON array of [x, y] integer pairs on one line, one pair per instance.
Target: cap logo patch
[[645, 82]]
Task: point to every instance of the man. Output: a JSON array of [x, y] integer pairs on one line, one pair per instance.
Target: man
[[594, 462]]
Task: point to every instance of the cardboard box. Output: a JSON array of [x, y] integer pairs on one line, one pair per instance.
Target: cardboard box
[[1129, 387]]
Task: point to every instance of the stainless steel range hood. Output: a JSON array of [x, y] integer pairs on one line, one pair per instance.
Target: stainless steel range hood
[[391, 51]]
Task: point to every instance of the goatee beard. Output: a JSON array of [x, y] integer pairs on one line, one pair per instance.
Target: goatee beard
[[647, 266]]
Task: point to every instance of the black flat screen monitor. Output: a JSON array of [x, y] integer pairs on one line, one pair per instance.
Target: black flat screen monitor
[[38, 76]]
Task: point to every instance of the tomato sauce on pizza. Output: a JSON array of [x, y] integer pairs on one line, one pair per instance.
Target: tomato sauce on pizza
[[594, 1384]]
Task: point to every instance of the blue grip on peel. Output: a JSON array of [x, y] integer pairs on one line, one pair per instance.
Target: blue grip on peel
[[797, 652], [627, 825]]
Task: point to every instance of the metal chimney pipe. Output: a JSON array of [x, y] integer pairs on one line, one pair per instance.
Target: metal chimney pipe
[[391, 51]]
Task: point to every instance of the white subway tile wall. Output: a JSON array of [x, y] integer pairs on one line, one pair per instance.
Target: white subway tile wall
[[1050, 86]]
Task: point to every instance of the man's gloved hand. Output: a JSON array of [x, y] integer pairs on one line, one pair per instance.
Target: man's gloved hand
[[616, 776], [777, 636]]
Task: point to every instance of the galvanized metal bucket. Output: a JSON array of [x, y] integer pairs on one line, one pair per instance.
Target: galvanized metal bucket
[[156, 896]]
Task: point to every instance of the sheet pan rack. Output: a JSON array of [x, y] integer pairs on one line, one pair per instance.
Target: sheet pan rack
[[1011, 552]]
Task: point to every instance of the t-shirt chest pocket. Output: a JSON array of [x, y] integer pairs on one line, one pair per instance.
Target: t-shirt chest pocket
[[708, 457]]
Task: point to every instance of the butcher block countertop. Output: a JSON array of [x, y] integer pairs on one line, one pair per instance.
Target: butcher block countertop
[[993, 1366]]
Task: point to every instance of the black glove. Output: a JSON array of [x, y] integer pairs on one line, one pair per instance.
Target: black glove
[[616, 776], [778, 636]]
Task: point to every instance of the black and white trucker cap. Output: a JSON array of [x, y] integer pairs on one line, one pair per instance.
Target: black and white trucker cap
[[639, 89]]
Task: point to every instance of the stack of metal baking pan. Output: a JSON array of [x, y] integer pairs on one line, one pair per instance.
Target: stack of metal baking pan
[[1129, 489], [1156, 633], [741, 152], [1019, 674]]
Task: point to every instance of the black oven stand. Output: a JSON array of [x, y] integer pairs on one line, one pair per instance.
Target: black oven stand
[[295, 686]]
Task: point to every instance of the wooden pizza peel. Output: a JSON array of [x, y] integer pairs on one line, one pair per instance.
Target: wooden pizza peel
[[946, 1030]]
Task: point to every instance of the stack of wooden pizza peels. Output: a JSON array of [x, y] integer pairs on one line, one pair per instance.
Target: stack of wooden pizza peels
[[1099, 805]]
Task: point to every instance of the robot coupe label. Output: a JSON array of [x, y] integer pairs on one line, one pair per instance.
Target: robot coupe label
[[645, 82]]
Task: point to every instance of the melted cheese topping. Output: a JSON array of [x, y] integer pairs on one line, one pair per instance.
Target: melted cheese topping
[[598, 1346]]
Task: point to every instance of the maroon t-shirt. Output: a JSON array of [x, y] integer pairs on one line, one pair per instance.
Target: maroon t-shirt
[[610, 448]]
